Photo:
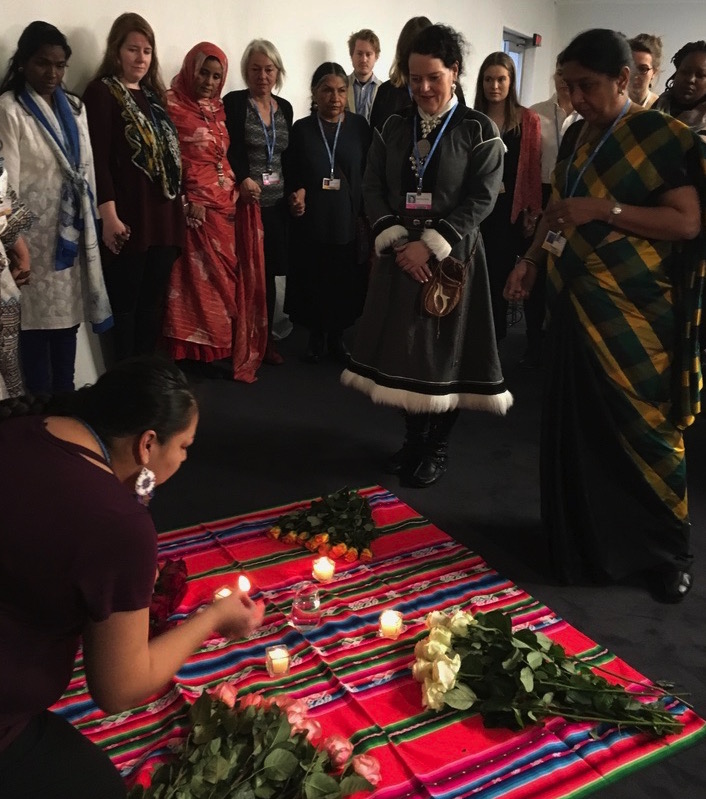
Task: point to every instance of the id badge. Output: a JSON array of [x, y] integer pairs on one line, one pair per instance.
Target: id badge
[[418, 202], [270, 179], [554, 243], [331, 184]]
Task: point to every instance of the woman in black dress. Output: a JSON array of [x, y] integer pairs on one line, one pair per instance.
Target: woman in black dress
[[324, 174]]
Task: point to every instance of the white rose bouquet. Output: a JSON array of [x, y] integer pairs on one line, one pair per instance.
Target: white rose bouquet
[[511, 679]]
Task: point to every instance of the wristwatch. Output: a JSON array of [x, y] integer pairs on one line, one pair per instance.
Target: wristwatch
[[615, 212]]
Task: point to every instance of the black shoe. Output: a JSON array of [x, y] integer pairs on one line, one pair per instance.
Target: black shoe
[[670, 585], [315, 348], [408, 457], [405, 459], [337, 348], [430, 469]]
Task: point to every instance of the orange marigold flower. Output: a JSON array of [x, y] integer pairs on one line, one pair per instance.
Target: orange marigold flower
[[351, 554], [274, 532], [303, 536], [311, 545], [324, 549], [290, 538], [366, 554]]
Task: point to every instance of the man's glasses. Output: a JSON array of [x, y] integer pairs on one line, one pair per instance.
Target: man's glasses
[[643, 69]]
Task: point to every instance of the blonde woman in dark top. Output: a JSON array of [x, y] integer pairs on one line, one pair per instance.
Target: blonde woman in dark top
[[259, 122]]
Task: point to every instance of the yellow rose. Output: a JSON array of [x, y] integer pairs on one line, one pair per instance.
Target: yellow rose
[[437, 618], [432, 695], [429, 650], [441, 636], [460, 622], [422, 670], [443, 673]]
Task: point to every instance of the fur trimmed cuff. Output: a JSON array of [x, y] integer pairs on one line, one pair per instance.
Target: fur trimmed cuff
[[388, 237], [437, 244]]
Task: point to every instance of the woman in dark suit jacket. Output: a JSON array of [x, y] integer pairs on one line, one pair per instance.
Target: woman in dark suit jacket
[[259, 123]]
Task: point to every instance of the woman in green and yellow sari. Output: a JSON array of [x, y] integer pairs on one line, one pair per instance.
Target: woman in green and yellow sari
[[624, 244]]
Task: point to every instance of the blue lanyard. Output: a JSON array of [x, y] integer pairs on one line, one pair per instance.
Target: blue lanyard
[[331, 153], [590, 158], [422, 165], [95, 435], [556, 128], [269, 144]]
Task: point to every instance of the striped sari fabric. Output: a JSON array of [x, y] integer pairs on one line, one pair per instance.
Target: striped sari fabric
[[360, 685], [637, 301]]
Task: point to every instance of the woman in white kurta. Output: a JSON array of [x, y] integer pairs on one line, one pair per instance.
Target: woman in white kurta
[[49, 163]]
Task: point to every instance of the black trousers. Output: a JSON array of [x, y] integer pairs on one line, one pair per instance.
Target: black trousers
[[137, 287], [51, 759], [48, 359]]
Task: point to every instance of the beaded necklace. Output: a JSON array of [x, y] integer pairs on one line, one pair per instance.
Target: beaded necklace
[[220, 149]]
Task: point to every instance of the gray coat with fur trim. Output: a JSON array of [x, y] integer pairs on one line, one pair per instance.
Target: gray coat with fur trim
[[401, 356]]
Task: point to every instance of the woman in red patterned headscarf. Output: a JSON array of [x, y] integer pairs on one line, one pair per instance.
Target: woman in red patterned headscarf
[[211, 315]]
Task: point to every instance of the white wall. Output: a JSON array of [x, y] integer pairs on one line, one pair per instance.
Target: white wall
[[306, 33], [676, 22]]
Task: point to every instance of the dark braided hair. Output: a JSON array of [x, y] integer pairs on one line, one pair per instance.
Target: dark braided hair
[[138, 394], [680, 55]]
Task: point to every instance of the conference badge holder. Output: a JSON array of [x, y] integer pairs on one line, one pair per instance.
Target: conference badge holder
[[418, 201], [270, 179], [554, 243]]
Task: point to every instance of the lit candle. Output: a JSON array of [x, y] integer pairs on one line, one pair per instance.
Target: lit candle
[[323, 569], [244, 584], [277, 660], [390, 623], [222, 593]]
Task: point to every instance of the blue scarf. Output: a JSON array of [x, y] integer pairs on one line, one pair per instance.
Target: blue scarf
[[71, 223], [78, 227]]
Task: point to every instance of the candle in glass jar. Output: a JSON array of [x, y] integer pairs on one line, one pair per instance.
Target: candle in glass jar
[[277, 661], [323, 569], [390, 623], [244, 584]]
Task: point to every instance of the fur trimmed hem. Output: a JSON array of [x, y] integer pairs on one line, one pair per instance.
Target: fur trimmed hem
[[437, 244], [388, 237], [414, 402]]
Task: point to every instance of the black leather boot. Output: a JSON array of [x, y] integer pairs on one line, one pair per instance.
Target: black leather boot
[[433, 462], [337, 347], [315, 347], [407, 458]]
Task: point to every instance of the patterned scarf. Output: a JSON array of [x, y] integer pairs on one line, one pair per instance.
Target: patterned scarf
[[154, 142], [61, 134], [77, 221]]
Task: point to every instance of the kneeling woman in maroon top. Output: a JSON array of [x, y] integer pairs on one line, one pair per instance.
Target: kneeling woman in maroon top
[[78, 562], [138, 180]]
